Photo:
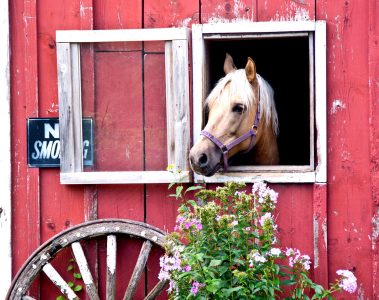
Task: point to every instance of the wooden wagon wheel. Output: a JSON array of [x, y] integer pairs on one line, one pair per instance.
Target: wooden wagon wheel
[[111, 228]]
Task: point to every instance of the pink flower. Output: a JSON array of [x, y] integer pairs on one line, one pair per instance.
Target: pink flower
[[195, 287], [187, 268], [180, 219], [295, 257], [234, 223], [348, 281]]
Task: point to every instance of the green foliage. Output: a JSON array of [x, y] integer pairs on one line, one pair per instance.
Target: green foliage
[[231, 250], [76, 287]]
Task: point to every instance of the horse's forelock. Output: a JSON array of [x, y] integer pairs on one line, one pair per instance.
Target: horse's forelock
[[238, 84]]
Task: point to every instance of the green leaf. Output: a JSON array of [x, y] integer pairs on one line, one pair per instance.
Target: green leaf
[[179, 190], [70, 284], [318, 289], [192, 203], [77, 288], [228, 292], [69, 268], [77, 275], [170, 185], [71, 260], [215, 262], [194, 188], [60, 298], [287, 282]]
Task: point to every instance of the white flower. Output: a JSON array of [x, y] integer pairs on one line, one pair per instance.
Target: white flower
[[348, 281], [234, 223], [275, 252], [265, 218], [258, 258]]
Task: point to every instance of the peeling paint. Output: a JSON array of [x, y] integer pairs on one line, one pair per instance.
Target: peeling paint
[[337, 105], [293, 12], [375, 228], [324, 228], [361, 292], [54, 108], [315, 242], [186, 22], [84, 10]]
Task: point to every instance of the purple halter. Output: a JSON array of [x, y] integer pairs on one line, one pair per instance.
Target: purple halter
[[226, 148]]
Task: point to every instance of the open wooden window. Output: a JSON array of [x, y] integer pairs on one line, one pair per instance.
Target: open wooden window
[[291, 57], [175, 47]]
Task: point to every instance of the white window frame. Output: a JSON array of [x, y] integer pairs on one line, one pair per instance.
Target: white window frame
[[70, 104], [316, 31]]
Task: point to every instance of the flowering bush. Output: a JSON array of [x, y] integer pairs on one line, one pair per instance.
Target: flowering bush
[[224, 246]]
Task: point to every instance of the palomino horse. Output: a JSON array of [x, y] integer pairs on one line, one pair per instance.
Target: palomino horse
[[242, 119]]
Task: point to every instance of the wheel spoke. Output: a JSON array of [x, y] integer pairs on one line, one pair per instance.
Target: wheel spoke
[[111, 266], [28, 298], [57, 279], [84, 270], [138, 269], [157, 289]]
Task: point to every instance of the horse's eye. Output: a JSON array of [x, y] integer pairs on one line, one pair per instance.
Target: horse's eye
[[238, 108]]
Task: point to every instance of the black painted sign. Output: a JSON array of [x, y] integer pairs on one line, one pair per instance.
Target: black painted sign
[[44, 145]]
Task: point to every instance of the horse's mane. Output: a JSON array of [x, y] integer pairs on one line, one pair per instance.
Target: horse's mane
[[238, 84]]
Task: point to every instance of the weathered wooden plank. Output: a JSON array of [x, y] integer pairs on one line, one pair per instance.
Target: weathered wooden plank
[[81, 260], [312, 100], [118, 14], [320, 233], [127, 177], [263, 27], [155, 124], [198, 83], [177, 103], [66, 123], [302, 10], [170, 103], [5, 153], [137, 272], [70, 107], [59, 282], [76, 109], [157, 289], [51, 193], [273, 177], [121, 35], [373, 49], [118, 112], [320, 105], [111, 267], [350, 206], [214, 11], [180, 79], [24, 91]]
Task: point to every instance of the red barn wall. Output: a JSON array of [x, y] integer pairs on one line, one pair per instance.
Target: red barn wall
[[343, 213]]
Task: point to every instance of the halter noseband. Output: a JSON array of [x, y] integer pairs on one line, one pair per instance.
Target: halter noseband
[[226, 148]]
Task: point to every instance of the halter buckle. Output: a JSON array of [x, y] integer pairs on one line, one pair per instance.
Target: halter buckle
[[224, 149], [255, 129]]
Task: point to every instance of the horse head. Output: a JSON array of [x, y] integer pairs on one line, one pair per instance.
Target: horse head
[[239, 119]]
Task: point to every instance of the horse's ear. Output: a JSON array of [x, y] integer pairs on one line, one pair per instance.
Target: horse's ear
[[229, 64], [250, 70]]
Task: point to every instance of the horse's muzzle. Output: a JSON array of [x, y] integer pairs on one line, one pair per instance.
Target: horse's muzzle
[[205, 162]]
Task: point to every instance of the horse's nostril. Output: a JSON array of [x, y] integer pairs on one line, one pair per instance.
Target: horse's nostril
[[203, 160]]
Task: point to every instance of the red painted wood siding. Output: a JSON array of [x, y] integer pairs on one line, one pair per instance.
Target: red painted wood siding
[[347, 206]]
